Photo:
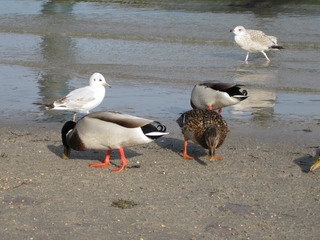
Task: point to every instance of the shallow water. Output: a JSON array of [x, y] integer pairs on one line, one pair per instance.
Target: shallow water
[[153, 53]]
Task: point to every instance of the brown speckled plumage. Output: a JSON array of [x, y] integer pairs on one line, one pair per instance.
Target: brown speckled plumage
[[195, 124]]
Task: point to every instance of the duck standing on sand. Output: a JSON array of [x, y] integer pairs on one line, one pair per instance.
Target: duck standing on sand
[[107, 131], [255, 41], [204, 127], [216, 95], [82, 99]]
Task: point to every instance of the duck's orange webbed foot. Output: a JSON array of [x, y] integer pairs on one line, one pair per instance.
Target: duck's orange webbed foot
[[123, 160], [215, 157], [185, 154], [187, 157], [105, 163]]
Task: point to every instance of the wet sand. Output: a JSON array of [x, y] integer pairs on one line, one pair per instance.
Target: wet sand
[[261, 190]]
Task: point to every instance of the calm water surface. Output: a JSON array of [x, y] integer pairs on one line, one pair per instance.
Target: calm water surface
[[153, 53]]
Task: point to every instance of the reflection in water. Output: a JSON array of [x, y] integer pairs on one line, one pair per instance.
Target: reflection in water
[[56, 51], [261, 102], [54, 7]]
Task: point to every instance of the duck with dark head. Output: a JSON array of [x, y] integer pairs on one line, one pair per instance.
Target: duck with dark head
[[216, 95], [107, 131]]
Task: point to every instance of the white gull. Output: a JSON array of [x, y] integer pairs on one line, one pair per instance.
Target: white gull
[[255, 41], [82, 99]]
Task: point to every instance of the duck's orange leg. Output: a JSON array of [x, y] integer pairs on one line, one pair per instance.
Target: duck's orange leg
[[123, 160], [105, 163], [185, 154], [219, 110], [215, 157], [212, 156]]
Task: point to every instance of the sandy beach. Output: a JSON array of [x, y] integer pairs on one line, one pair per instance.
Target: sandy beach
[[261, 190]]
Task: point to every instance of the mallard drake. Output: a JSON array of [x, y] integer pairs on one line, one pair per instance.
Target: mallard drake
[[204, 127], [107, 131], [82, 99], [216, 95], [316, 164], [255, 41]]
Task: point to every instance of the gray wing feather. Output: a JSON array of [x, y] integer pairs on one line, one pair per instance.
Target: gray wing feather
[[121, 119]]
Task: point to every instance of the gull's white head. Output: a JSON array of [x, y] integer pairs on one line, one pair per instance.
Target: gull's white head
[[98, 79], [239, 30]]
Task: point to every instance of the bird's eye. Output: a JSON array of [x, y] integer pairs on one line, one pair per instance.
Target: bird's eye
[[100, 80], [240, 30]]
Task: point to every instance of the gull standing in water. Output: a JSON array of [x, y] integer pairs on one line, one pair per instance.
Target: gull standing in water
[[82, 99], [255, 41]]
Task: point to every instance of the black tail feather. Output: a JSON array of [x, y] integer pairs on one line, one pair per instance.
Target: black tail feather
[[46, 105], [244, 93], [161, 127], [277, 47], [153, 127]]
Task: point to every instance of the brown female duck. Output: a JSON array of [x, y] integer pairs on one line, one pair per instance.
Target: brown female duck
[[204, 127]]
